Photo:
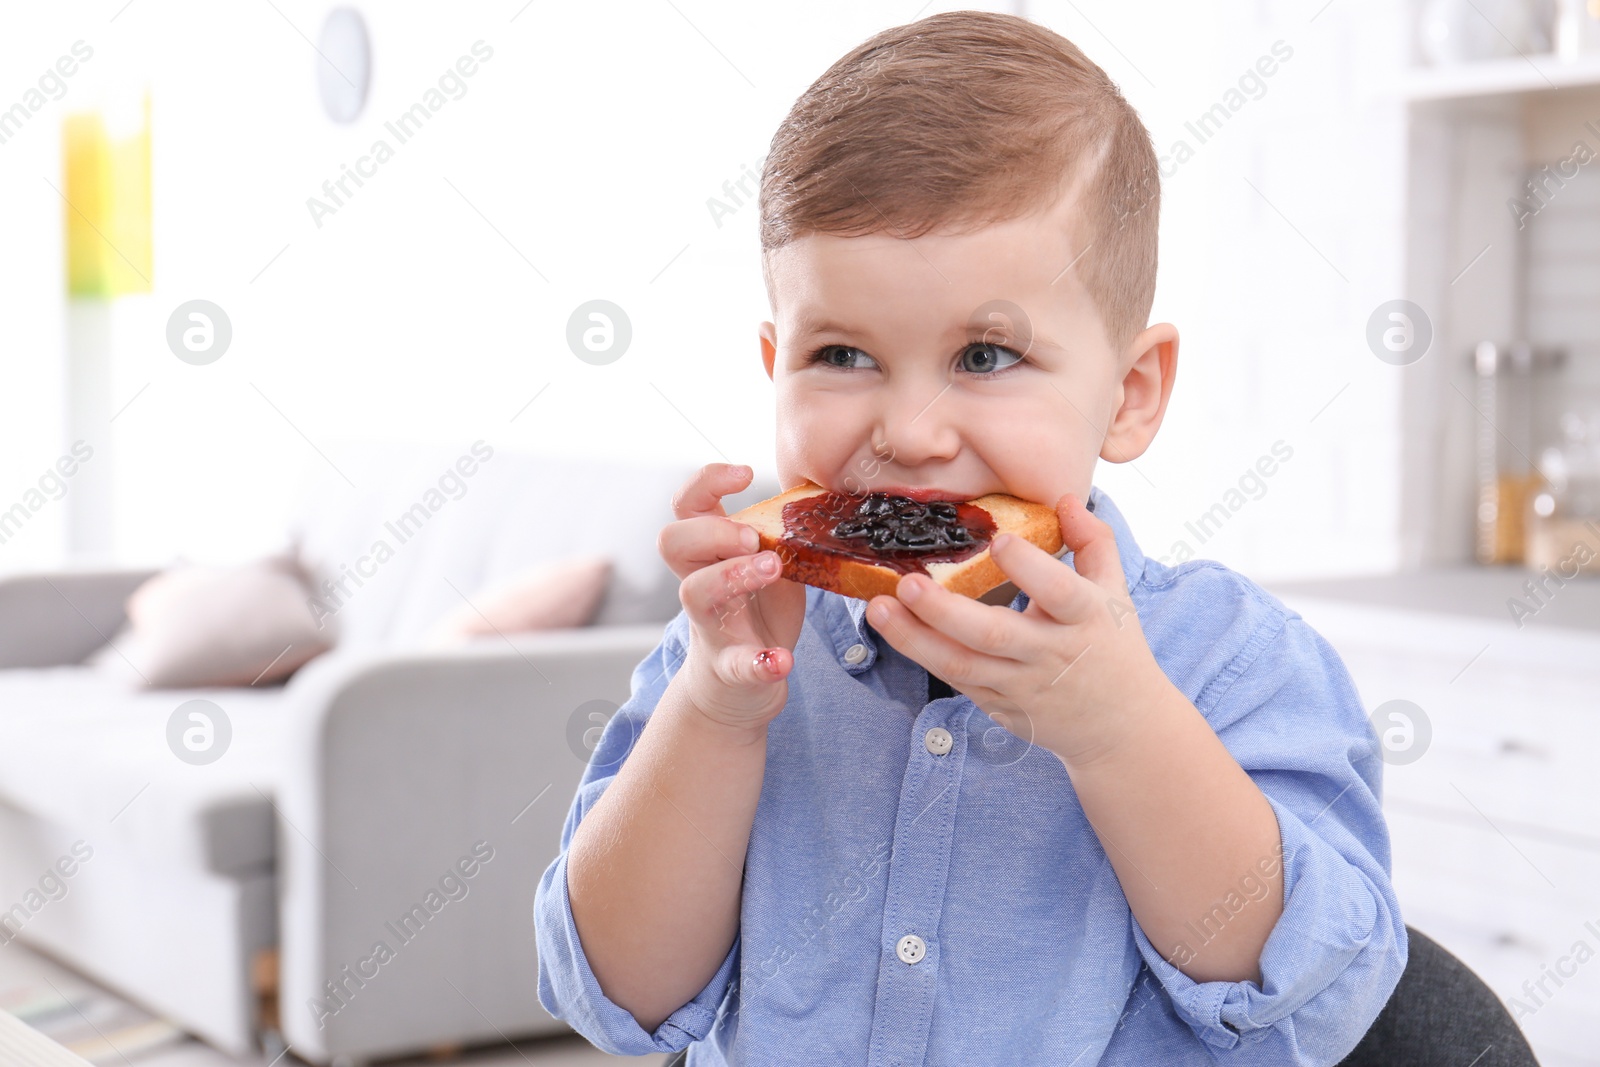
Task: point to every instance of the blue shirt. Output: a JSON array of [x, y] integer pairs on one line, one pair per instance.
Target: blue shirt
[[864, 835]]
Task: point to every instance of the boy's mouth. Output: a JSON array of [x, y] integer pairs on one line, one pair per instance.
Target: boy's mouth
[[922, 496]]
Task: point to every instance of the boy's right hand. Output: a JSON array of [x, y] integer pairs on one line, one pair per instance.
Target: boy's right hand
[[743, 621]]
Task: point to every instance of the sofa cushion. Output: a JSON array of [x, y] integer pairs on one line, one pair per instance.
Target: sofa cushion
[[80, 749], [195, 626], [396, 536], [548, 596]]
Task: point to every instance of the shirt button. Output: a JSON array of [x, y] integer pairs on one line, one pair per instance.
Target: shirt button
[[855, 653], [937, 740], [911, 949]]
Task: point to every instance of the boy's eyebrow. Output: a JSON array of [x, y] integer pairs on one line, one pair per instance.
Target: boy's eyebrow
[[806, 325]]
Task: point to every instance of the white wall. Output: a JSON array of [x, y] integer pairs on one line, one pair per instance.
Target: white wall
[[1279, 237], [31, 398], [590, 143]]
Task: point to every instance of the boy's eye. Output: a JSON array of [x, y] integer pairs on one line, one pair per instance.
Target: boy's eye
[[979, 358], [985, 358], [841, 356]]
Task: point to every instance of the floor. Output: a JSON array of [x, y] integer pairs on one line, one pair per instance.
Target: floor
[[19, 964]]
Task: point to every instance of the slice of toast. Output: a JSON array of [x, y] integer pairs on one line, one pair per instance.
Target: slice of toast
[[859, 545]]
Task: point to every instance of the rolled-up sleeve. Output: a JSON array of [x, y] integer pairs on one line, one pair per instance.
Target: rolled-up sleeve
[[1288, 711], [568, 988]]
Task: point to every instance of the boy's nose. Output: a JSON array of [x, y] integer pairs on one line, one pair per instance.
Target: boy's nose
[[918, 428]]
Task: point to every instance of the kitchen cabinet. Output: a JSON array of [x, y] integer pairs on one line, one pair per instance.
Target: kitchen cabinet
[[1494, 817]]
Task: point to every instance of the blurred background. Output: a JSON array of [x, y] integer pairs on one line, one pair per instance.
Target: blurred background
[[598, 155], [241, 241]]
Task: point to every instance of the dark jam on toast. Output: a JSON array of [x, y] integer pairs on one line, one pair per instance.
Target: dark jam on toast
[[887, 529]]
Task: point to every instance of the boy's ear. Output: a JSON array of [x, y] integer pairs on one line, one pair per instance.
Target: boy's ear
[[1143, 391], [769, 345]]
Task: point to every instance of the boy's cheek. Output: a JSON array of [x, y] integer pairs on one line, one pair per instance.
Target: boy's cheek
[[819, 448]]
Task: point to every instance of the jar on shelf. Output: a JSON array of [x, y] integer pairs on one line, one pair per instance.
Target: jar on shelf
[[1563, 516], [1515, 383], [1471, 31], [1577, 29]]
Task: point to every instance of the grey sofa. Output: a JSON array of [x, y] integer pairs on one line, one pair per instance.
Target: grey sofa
[[370, 840]]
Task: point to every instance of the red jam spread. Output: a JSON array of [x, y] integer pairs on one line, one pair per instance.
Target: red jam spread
[[887, 529]]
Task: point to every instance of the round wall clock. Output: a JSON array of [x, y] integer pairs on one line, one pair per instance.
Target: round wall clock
[[344, 64]]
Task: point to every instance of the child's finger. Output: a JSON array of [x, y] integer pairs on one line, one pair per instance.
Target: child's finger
[[1053, 589], [956, 663], [748, 665], [713, 593], [689, 544], [987, 628], [703, 493], [1093, 545]]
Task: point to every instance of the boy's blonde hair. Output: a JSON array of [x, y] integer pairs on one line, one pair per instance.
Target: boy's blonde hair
[[963, 119]]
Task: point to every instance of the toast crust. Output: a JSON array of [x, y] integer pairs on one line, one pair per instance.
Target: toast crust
[[970, 577]]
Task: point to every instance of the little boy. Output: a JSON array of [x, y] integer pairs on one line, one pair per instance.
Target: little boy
[[1124, 813]]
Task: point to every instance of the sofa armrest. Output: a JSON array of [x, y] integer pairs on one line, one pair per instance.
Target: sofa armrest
[[58, 618], [401, 773]]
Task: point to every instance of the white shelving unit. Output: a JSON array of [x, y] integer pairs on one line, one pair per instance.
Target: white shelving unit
[[1475, 134], [1500, 77], [1495, 832]]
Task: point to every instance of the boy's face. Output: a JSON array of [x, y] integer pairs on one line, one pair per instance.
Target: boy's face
[[896, 364]]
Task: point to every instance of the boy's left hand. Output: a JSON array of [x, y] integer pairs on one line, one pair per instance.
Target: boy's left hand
[[1070, 673]]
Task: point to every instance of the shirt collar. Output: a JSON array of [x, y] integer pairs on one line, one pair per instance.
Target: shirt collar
[[846, 616]]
